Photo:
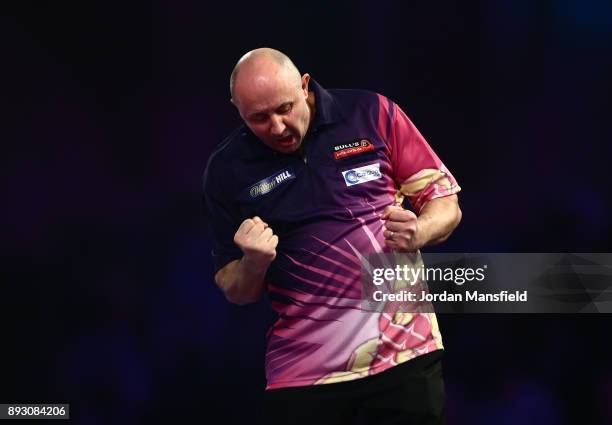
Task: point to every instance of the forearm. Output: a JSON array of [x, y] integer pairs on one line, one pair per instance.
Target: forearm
[[241, 282], [437, 220]]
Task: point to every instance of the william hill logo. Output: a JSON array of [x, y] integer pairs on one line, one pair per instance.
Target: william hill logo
[[270, 183]]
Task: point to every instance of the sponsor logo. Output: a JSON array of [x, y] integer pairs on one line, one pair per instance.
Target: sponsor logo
[[270, 183], [362, 174], [352, 148]]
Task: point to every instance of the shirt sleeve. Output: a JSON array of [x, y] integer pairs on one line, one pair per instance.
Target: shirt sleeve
[[417, 171], [222, 221]]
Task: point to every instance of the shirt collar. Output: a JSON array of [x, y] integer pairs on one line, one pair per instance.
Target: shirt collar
[[327, 110]]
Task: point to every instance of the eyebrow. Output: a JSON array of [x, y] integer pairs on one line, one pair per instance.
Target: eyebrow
[[263, 111]]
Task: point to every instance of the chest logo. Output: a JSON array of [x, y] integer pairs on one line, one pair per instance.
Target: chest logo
[[352, 148], [270, 183], [362, 174]]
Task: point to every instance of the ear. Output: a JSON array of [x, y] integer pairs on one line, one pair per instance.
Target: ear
[[305, 81], [235, 103]]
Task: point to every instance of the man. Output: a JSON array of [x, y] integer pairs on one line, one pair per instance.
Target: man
[[296, 199]]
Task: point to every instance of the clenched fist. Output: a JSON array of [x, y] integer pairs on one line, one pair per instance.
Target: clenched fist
[[401, 227], [257, 242]]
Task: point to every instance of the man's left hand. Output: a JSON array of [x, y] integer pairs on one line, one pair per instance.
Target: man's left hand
[[401, 229]]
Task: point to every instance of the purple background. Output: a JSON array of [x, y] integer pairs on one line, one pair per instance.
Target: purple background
[[110, 112]]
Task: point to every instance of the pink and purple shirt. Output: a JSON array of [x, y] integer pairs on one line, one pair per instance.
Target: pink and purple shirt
[[362, 154]]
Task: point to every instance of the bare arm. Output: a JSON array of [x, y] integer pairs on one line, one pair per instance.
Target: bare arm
[[437, 220], [242, 281]]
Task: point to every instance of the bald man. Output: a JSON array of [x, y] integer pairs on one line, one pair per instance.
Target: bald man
[[296, 199], [265, 81]]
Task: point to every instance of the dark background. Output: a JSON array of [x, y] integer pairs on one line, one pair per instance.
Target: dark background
[[110, 111]]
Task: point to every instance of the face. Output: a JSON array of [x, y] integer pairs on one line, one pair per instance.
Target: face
[[274, 107]]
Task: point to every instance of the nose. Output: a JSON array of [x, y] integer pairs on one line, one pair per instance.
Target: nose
[[277, 127]]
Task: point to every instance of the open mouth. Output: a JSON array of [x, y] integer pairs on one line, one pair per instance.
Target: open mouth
[[287, 140]]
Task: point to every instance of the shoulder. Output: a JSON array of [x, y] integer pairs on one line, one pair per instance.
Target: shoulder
[[354, 97], [227, 152], [367, 102], [366, 108]]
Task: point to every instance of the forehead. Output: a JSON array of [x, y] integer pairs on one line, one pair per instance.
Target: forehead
[[261, 92]]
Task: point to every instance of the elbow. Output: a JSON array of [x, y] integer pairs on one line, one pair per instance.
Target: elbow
[[241, 299], [233, 293], [458, 217]]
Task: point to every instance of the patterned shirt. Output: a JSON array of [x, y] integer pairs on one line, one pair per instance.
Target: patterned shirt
[[362, 153]]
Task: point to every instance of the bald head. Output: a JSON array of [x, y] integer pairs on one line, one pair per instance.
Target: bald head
[[262, 66], [273, 99]]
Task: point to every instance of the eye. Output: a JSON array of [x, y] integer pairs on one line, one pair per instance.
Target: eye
[[285, 108], [258, 118]]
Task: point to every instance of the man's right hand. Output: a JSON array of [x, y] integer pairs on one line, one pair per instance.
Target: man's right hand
[[257, 242]]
